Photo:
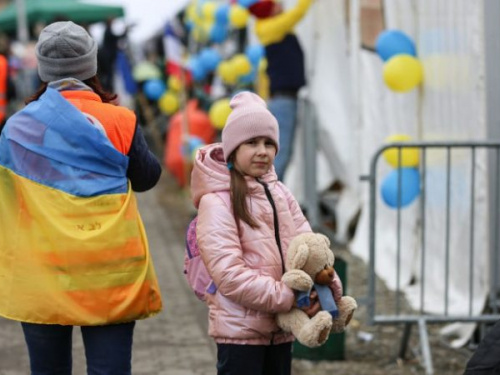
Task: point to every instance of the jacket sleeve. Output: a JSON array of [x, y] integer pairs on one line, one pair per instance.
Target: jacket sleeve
[[274, 29], [144, 170], [221, 251], [301, 223]]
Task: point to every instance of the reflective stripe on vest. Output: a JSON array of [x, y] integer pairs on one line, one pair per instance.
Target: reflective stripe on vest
[[70, 253]]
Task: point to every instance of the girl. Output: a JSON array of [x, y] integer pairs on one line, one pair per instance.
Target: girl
[[246, 219]]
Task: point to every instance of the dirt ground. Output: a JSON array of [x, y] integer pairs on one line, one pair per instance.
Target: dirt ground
[[372, 350]]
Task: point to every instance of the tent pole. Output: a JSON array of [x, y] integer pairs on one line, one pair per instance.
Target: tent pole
[[22, 22]]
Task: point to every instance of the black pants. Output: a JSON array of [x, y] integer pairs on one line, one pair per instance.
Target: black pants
[[108, 348], [254, 359], [486, 358]]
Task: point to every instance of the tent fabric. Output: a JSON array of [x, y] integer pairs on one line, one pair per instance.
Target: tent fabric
[[50, 10], [357, 112]]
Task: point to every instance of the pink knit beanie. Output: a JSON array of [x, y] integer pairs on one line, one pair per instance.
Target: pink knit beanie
[[249, 119]]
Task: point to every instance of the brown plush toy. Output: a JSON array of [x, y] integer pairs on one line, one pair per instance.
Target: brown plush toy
[[310, 261]]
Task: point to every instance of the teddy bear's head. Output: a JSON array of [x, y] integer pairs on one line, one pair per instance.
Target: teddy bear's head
[[311, 253]]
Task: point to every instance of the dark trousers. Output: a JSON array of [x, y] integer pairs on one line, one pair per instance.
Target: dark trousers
[[108, 349], [486, 358], [254, 359]]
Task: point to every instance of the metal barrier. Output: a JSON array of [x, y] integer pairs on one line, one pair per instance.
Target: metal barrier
[[467, 154]]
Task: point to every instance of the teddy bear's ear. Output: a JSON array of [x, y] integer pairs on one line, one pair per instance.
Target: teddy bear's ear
[[299, 259], [327, 240]]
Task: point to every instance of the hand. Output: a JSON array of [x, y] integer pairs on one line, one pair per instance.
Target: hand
[[336, 287], [314, 306]]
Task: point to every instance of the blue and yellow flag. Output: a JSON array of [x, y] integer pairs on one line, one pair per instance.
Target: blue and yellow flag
[[73, 249]]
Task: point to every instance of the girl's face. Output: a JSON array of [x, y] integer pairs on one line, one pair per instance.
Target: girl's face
[[255, 156]]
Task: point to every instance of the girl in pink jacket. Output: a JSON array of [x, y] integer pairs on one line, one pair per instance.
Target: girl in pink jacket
[[246, 219]]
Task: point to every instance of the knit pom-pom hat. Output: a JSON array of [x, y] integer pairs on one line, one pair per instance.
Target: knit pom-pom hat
[[65, 49], [249, 119]]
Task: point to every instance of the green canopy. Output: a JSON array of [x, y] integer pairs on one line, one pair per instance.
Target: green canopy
[[47, 11]]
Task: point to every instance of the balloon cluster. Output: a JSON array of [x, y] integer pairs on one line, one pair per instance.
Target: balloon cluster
[[166, 95], [242, 68], [211, 21], [402, 185], [402, 70], [203, 63]]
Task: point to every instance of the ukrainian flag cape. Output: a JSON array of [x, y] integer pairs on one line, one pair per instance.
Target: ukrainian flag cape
[[73, 249]]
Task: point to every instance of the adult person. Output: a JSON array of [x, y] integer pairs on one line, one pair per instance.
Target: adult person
[[108, 54], [486, 358], [285, 68], [73, 250], [7, 88]]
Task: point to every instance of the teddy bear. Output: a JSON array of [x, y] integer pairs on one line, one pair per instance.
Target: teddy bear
[[309, 263]]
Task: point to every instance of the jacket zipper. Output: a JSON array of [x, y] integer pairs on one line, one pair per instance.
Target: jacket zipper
[[276, 223], [276, 234]]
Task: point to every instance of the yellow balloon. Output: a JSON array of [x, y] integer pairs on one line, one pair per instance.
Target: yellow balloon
[[227, 73], [403, 73], [241, 64], [410, 157], [263, 65], [174, 83], [218, 113], [199, 34], [238, 16], [190, 14], [208, 10], [168, 103]]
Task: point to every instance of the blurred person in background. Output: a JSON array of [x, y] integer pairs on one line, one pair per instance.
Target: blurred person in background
[[285, 67], [7, 88]]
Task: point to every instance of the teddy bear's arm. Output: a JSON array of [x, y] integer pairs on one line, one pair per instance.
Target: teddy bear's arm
[[297, 280]]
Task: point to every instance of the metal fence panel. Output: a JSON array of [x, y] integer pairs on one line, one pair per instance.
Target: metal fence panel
[[452, 171]]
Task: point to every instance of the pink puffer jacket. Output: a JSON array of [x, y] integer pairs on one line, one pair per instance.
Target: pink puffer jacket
[[246, 264]]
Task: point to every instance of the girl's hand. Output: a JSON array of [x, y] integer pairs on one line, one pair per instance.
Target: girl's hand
[[314, 306], [336, 287]]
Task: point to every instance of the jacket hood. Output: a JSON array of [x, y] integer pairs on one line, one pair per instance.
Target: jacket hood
[[210, 174]]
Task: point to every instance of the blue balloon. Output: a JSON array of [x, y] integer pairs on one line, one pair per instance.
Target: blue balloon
[[197, 69], [410, 187], [254, 53], [394, 42], [248, 78], [222, 15], [218, 33], [209, 58], [247, 3], [154, 89], [193, 144]]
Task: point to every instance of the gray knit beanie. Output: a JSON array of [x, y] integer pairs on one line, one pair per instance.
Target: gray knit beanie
[[64, 50], [248, 119]]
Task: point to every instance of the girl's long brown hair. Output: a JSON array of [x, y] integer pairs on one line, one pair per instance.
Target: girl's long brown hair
[[239, 191], [92, 82]]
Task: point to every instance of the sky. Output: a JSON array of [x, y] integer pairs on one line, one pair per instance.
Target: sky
[[149, 16]]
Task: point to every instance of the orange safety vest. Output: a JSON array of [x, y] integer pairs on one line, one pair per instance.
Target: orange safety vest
[[68, 259]]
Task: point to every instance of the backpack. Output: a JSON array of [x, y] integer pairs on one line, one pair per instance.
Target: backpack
[[195, 271]]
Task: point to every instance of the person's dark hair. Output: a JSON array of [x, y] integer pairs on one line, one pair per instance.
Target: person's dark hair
[[239, 191], [92, 82]]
